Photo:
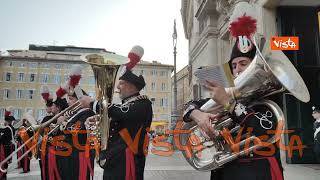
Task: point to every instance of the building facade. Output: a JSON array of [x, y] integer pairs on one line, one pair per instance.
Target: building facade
[[24, 72], [206, 25], [158, 88], [183, 89]]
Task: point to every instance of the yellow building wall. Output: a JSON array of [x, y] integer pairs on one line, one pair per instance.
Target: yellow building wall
[[153, 73]]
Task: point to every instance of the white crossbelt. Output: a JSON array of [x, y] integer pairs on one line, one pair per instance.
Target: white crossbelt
[[316, 132]]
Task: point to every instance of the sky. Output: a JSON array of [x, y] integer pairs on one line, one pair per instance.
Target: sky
[[116, 25]]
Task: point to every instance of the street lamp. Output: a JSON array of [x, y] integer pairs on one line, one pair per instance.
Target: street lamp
[[174, 115]]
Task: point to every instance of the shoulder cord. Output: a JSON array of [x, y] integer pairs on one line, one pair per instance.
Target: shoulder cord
[[126, 106]]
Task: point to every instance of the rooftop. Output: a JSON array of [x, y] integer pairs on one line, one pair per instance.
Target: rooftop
[[66, 49]]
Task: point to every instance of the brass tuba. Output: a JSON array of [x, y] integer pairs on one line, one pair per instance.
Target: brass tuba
[[270, 72], [105, 68]]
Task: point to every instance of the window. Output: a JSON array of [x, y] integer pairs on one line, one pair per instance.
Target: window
[[45, 65], [45, 78], [30, 94], [163, 73], [20, 77], [32, 77], [41, 113], [153, 72], [58, 66], [153, 100], [7, 94], [9, 63], [17, 113], [1, 113], [163, 102], [21, 64], [153, 86], [28, 109], [67, 66], [33, 65], [163, 87], [66, 77], [8, 76], [56, 79], [19, 94]]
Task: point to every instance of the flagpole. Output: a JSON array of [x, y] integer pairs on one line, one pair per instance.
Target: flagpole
[[174, 115]]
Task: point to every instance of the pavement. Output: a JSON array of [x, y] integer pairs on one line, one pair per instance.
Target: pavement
[[175, 167]]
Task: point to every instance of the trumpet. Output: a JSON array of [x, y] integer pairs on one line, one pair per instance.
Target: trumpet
[[68, 112]]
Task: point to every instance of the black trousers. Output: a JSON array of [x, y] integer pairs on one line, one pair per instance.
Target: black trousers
[[69, 166], [248, 170], [117, 171], [317, 150]]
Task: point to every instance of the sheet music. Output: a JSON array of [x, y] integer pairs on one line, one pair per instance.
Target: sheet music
[[218, 73]]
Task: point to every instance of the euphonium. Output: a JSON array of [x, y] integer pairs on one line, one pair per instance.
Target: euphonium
[[105, 68], [270, 72]]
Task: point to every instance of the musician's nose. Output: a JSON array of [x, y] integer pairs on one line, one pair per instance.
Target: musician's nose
[[237, 70]]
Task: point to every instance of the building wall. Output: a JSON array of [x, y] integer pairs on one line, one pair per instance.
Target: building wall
[[35, 70], [158, 89], [208, 20], [183, 89], [28, 74], [206, 27]]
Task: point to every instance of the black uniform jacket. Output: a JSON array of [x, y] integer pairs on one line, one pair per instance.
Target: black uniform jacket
[[316, 135], [129, 118], [5, 135], [257, 120]]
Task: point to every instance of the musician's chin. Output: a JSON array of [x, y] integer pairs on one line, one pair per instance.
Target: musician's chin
[[122, 96]]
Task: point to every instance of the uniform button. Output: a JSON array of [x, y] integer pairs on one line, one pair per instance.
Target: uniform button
[[111, 136], [112, 129]]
